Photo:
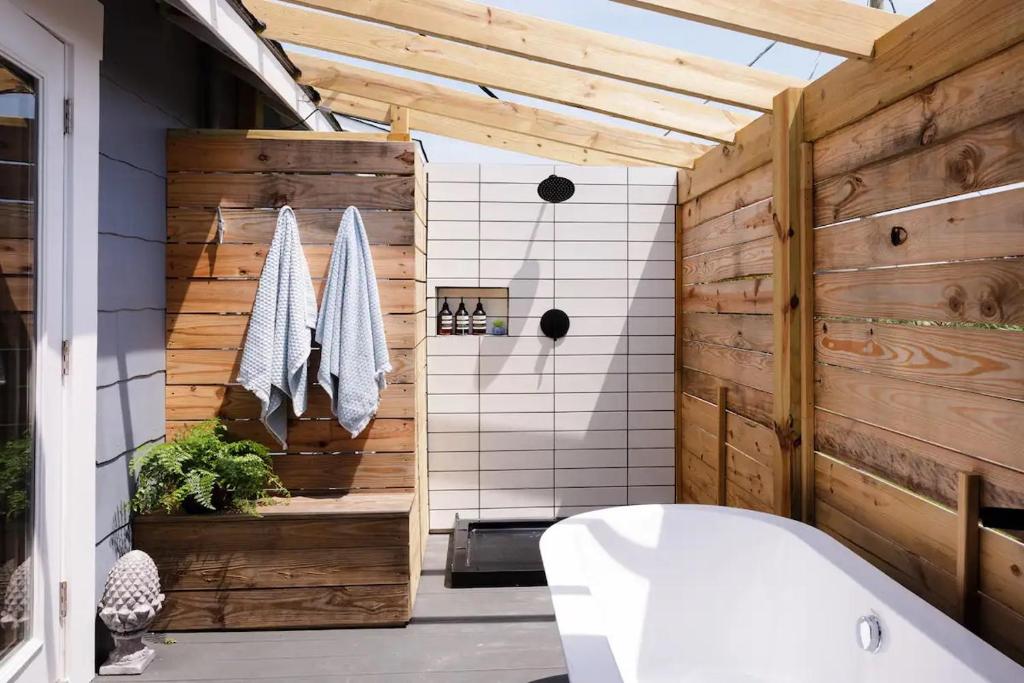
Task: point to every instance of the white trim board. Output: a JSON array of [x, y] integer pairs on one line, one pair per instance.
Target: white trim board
[[220, 18]]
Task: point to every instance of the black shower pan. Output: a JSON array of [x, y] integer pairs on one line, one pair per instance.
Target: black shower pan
[[495, 554]]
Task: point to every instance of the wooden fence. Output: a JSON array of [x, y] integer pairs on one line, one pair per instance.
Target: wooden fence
[[337, 552], [852, 290]]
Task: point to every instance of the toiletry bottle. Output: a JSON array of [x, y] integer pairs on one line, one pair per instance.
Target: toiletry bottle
[[462, 318], [445, 321], [479, 318]]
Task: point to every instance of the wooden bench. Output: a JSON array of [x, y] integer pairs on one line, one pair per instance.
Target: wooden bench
[[306, 562]]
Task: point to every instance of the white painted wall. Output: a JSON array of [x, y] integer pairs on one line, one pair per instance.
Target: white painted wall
[[521, 426]]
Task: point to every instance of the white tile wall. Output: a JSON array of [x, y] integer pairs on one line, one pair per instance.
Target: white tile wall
[[526, 427]]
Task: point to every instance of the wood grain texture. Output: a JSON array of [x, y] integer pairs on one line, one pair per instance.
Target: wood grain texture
[[246, 261], [427, 54], [382, 435], [233, 402], [968, 555], [212, 331], [722, 163], [699, 486], [924, 528], [979, 360], [1001, 573], [17, 221], [941, 39], [747, 224], [319, 472], [982, 426], [452, 103], [557, 43], [755, 441], [249, 151], [751, 403], [280, 608], [979, 94], [912, 463], [737, 296], [220, 367], [747, 189], [742, 472], [256, 226], [742, 260], [750, 368], [983, 157], [1002, 627], [300, 191], [969, 291], [17, 256], [749, 332], [272, 568], [236, 296], [835, 27], [977, 228]]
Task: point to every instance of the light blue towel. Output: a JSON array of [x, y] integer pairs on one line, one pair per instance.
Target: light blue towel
[[277, 344], [354, 354]]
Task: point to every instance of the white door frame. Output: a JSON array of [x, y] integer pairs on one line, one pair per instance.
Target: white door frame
[[79, 25]]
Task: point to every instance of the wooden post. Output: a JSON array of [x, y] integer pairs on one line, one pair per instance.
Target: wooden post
[[967, 547], [398, 117], [791, 206], [806, 309], [678, 349], [723, 455]]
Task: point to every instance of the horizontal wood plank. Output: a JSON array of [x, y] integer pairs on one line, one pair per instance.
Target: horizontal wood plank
[[300, 191], [980, 360], [741, 260], [750, 150], [213, 331], [750, 368], [975, 228], [742, 471], [249, 151], [982, 426], [246, 261], [756, 441], [237, 296], [220, 366], [233, 402], [984, 157], [751, 403], [925, 468], [970, 291], [747, 189], [382, 435], [346, 472], [257, 226], [273, 568], [17, 256], [17, 221], [987, 91], [750, 332], [737, 296], [280, 608], [736, 227]]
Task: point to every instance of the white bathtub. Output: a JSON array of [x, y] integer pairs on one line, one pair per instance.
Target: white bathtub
[[685, 593]]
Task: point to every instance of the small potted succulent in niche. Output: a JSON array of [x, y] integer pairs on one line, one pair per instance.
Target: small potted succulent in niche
[[201, 471], [498, 327]]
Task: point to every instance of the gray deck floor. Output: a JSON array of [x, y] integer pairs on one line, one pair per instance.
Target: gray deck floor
[[486, 635]]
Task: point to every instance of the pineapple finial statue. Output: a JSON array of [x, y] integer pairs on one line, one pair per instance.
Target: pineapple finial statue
[[131, 599]]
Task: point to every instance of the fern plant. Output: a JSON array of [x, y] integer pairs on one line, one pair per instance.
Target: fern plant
[[201, 470], [15, 479]]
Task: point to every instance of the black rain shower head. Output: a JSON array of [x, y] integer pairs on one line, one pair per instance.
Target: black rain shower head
[[556, 189]]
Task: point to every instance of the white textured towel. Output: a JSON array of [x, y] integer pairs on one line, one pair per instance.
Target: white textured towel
[[277, 344], [354, 354]]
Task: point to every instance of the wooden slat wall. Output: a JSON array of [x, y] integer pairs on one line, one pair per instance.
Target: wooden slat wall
[[211, 286], [724, 339], [918, 325], [919, 335]]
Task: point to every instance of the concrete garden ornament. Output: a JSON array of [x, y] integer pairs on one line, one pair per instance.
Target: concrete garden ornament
[[131, 599]]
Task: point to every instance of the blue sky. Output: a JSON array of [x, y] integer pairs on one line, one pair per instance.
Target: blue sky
[[613, 17]]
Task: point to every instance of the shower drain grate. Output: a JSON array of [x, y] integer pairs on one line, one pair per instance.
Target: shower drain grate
[[495, 553]]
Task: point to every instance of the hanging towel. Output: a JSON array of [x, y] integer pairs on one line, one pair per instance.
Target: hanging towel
[[353, 351], [277, 344]]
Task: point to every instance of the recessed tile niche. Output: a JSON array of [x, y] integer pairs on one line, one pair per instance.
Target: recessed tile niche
[[494, 300]]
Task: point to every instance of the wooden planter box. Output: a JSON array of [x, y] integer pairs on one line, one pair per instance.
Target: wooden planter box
[[307, 562]]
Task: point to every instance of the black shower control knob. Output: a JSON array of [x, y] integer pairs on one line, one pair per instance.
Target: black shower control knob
[[554, 324]]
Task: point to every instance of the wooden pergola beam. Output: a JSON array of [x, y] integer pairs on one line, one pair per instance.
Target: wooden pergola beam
[[553, 42], [467, 131], [373, 42], [509, 116], [834, 26]]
